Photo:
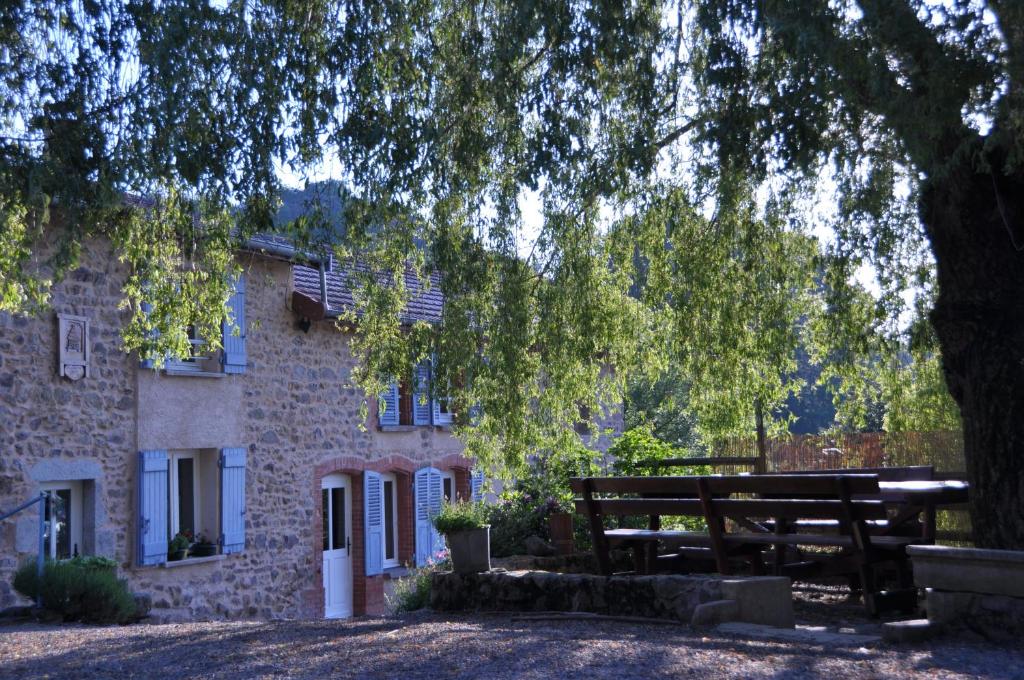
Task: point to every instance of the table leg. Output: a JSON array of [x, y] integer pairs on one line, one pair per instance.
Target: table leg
[[928, 530]]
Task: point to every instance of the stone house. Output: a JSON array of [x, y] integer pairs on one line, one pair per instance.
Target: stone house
[[259, 447]]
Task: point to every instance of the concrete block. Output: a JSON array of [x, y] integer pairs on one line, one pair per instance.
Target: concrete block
[[766, 600], [914, 630], [714, 613], [995, 572]]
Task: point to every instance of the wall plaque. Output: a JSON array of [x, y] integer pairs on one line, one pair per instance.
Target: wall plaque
[[73, 344]]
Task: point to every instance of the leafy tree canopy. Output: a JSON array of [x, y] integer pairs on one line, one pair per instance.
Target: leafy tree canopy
[[693, 137]]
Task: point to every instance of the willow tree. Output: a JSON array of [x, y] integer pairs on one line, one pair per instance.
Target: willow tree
[[439, 114]]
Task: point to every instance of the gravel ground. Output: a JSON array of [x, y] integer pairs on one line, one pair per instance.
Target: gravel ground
[[471, 646]]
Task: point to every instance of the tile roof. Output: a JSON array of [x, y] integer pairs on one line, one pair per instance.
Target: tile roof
[[424, 305]]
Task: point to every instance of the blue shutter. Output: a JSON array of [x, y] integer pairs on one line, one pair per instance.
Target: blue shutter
[[153, 538], [421, 405], [148, 363], [440, 418], [387, 413], [428, 503], [232, 500], [476, 486], [233, 357], [373, 504]]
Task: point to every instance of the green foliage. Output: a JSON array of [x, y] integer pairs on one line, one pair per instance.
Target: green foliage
[[636, 447], [93, 562], [692, 146], [661, 403], [459, 516], [79, 589], [412, 592], [514, 518], [523, 508]]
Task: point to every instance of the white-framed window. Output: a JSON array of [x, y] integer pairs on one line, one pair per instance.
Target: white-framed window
[[184, 492], [63, 529], [448, 485], [389, 499], [193, 493]]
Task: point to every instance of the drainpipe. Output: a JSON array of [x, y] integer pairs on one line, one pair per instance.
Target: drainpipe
[[323, 288]]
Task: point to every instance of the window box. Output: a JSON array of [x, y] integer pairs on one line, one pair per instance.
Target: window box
[[192, 561]]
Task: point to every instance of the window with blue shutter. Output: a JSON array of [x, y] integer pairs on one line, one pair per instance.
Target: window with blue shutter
[[428, 497], [232, 499], [387, 413], [234, 331], [373, 503], [421, 404], [153, 539]]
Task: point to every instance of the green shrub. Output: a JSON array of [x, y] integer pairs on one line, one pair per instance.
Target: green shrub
[[78, 589], [413, 591], [515, 517], [460, 516]]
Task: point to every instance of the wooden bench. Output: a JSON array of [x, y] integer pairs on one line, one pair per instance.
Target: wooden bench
[[783, 499]]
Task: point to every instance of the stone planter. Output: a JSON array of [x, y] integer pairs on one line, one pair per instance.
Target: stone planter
[[994, 572], [470, 550], [561, 529]]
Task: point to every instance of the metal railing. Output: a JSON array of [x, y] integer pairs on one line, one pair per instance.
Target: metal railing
[[41, 499]]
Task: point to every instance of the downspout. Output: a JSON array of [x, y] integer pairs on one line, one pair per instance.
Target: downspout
[[323, 289]]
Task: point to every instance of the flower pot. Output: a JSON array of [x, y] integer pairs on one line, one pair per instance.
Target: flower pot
[[561, 530], [203, 550], [470, 550], [177, 555]]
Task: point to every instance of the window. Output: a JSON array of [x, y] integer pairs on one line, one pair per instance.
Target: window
[[448, 486], [198, 357], [390, 502], [192, 493], [201, 361], [63, 528], [404, 405]]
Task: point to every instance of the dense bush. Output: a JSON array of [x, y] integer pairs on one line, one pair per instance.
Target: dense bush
[[514, 518], [79, 589], [412, 592]]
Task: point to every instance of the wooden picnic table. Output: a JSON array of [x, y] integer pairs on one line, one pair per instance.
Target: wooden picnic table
[[921, 497]]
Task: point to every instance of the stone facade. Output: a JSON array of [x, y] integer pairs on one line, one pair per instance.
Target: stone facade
[[294, 409]]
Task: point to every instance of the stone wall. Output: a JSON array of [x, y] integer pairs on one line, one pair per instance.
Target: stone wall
[[691, 598], [54, 429]]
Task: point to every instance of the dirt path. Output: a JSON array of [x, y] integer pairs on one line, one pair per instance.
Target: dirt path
[[434, 646]]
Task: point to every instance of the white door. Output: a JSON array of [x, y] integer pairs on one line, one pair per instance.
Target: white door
[[336, 504]]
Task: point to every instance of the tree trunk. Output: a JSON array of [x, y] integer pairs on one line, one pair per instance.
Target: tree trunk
[[975, 221]]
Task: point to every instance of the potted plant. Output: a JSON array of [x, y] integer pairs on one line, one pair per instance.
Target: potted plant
[[177, 549], [202, 547], [468, 535]]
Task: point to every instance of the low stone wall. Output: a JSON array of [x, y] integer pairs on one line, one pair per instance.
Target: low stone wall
[[980, 589], [696, 599]]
